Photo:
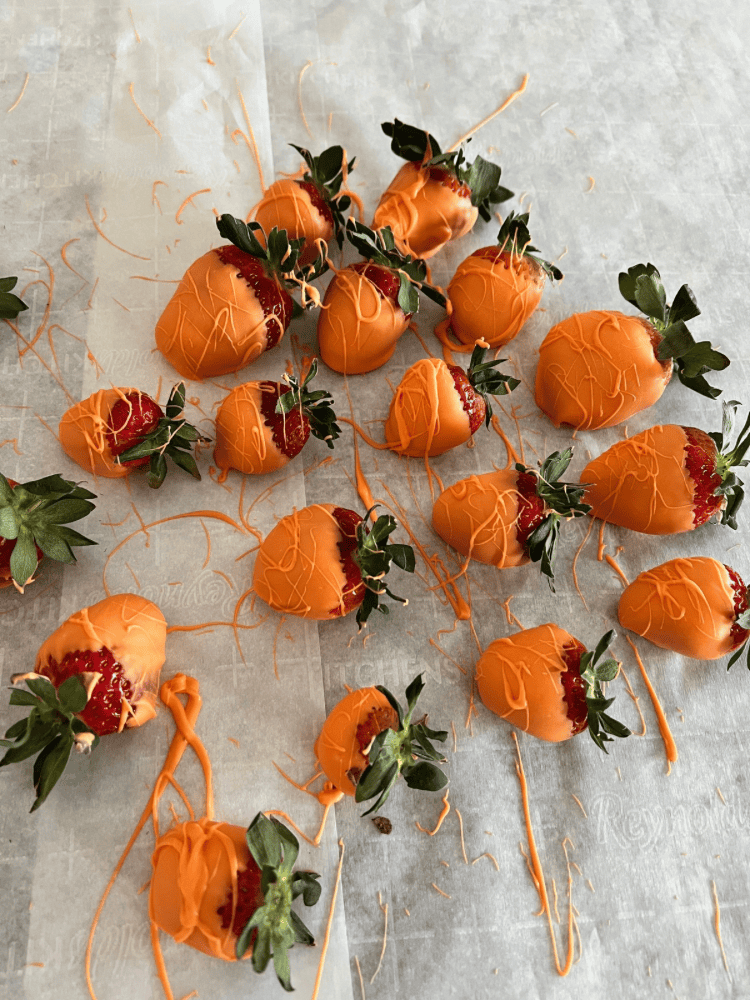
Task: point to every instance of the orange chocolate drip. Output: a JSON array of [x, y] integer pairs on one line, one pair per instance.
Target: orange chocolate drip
[[686, 605], [287, 205], [642, 483], [243, 439], [294, 570], [83, 433], [519, 679], [670, 747], [135, 632], [493, 299], [337, 748], [423, 213], [358, 329], [598, 368], [214, 323], [478, 516], [427, 416]]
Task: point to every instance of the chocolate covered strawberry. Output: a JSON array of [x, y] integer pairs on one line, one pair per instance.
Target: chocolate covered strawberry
[[97, 674], [669, 478], [696, 606], [322, 562], [33, 523], [368, 305], [437, 406], [261, 426], [10, 305], [511, 516], [436, 197], [544, 681], [598, 368]]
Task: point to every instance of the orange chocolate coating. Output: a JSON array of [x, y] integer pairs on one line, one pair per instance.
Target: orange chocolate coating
[[642, 483], [423, 213], [337, 748], [598, 368], [243, 439], [134, 631], [686, 605], [427, 415], [213, 324], [477, 516], [287, 205], [519, 679], [83, 433], [195, 865], [491, 300], [357, 328], [298, 570]]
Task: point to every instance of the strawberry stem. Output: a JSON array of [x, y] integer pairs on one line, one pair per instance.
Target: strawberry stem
[[514, 238], [728, 458], [10, 305], [314, 405], [602, 727], [327, 173], [486, 381], [374, 556]]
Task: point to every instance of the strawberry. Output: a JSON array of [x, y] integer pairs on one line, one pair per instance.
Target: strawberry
[[696, 606], [435, 197], [95, 675], [669, 478], [33, 522], [131, 419], [10, 305], [544, 681], [322, 562], [367, 741], [437, 407], [597, 369], [368, 305], [510, 516]]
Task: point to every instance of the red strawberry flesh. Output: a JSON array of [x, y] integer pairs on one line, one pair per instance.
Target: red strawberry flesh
[[574, 686], [354, 588], [738, 634], [274, 300], [289, 431], [700, 462], [386, 281], [318, 200], [249, 899], [472, 401], [530, 507], [449, 180], [378, 720], [104, 709], [130, 421]]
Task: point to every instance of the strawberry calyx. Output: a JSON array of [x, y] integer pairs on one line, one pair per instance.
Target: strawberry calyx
[[274, 927], [327, 173], [487, 382], [50, 730], [172, 436], [280, 256], [514, 239], [374, 555], [730, 457], [379, 247], [405, 750], [37, 514], [641, 285], [315, 406], [562, 501], [10, 305], [602, 727]]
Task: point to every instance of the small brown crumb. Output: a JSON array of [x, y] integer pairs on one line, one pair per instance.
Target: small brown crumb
[[382, 823]]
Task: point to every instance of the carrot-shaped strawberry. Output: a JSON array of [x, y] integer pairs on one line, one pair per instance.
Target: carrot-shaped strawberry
[[97, 674], [511, 516], [596, 369], [496, 289], [34, 520], [321, 562], [369, 305], [10, 305], [669, 478], [697, 607], [547, 683], [115, 431], [232, 303], [436, 197], [311, 207], [367, 742], [261, 426], [236, 902], [437, 406]]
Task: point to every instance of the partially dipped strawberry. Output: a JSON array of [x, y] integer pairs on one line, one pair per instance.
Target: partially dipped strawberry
[[511, 516], [34, 520], [696, 606], [597, 369], [669, 478], [322, 562], [367, 741], [10, 305], [496, 289], [97, 674], [437, 406], [261, 426], [545, 682], [232, 303], [436, 197], [368, 305], [311, 207]]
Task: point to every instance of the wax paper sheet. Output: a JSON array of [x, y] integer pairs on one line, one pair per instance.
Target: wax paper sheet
[[628, 145]]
